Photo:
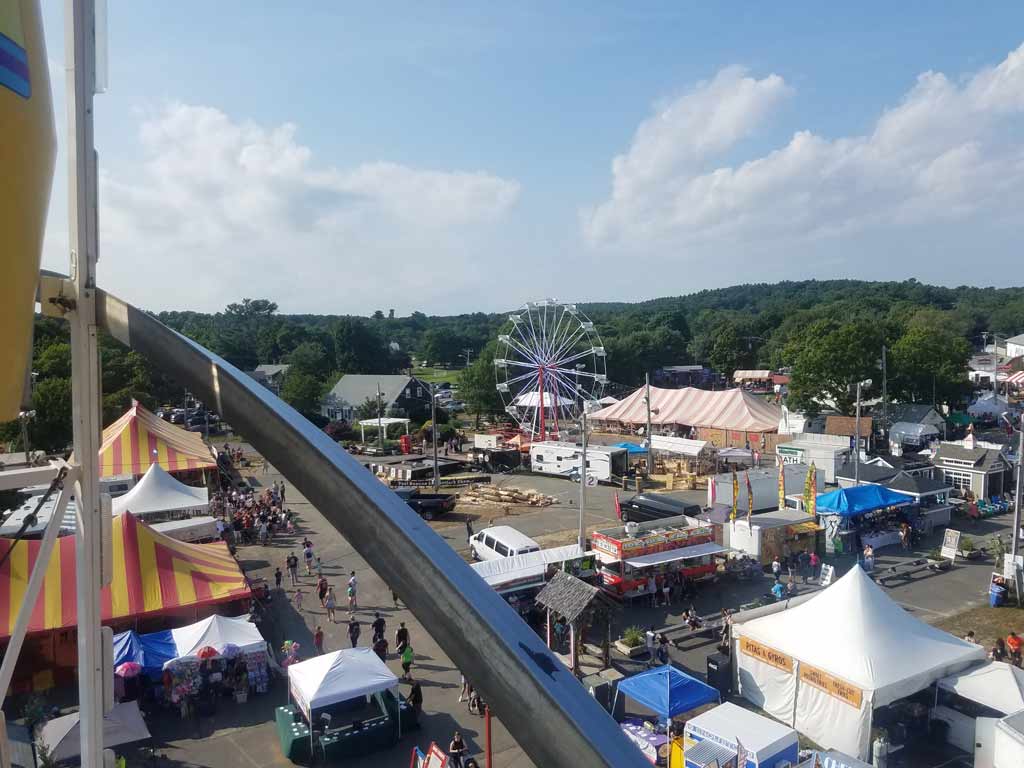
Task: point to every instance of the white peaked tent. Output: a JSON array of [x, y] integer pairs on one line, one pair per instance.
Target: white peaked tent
[[158, 492], [346, 674], [218, 632], [826, 664], [122, 725], [989, 404], [531, 399], [996, 684]]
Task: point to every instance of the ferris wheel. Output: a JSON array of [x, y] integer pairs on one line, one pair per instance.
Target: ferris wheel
[[550, 362]]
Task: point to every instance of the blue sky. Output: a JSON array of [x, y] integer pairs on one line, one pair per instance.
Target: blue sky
[[346, 157]]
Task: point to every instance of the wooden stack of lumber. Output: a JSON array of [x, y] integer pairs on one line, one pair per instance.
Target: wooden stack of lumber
[[505, 495]]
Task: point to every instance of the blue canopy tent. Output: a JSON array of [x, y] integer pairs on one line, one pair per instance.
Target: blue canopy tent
[[631, 448], [667, 691], [151, 651], [859, 500]]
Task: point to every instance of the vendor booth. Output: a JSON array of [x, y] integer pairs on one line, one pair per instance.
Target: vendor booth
[[773, 534], [122, 725], [863, 515], [519, 578], [767, 743], [350, 701], [970, 702], [158, 496], [840, 663], [667, 692]]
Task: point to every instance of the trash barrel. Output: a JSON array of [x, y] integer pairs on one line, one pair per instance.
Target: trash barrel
[[996, 595]]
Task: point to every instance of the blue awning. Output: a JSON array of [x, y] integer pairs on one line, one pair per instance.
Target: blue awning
[[667, 691], [631, 447], [152, 651], [859, 500]]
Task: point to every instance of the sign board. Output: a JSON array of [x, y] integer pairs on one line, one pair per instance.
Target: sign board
[[827, 574], [1009, 572], [444, 482], [833, 686], [950, 544], [790, 455], [766, 655]]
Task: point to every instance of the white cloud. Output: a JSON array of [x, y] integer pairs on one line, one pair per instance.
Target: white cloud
[[947, 151], [221, 208]]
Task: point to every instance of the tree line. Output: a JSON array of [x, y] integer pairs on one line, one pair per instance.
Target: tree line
[[830, 333]]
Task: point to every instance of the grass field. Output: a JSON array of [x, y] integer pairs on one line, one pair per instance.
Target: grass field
[[987, 623], [437, 375]]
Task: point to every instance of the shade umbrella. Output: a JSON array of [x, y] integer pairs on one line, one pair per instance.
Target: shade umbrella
[[128, 669], [207, 652]]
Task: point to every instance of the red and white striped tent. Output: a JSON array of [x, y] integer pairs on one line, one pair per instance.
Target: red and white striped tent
[[1016, 379], [733, 409]]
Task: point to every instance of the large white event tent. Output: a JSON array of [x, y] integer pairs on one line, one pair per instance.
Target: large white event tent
[[218, 632], [988, 404], [724, 409], [333, 677], [159, 493], [996, 684], [825, 665]]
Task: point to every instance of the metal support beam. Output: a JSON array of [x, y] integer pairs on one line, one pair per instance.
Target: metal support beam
[[544, 707]]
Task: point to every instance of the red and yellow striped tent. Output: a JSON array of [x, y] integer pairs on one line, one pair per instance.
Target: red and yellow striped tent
[[140, 438], [153, 573]]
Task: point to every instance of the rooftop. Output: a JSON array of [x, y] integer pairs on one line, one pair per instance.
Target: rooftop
[[916, 484], [569, 597]]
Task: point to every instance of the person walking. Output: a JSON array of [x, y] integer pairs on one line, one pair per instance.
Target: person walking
[[379, 626], [330, 603], [456, 750], [321, 590], [307, 554], [292, 564], [380, 647], [394, 598], [776, 567], [278, 577], [318, 640], [298, 600], [407, 659], [650, 637], [353, 598], [805, 564], [353, 632], [416, 699], [401, 637], [815, 561]]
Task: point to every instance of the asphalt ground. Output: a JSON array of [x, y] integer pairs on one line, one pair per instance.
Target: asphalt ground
[[244, 735]]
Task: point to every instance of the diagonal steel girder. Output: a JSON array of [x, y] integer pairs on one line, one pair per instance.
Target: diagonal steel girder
[[545, 708]]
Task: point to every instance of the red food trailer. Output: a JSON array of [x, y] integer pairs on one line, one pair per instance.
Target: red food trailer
[[628, 555]]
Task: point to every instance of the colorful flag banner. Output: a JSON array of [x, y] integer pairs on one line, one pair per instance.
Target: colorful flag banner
[[782, 483], [812, 491], [735, 496], [750, 499]]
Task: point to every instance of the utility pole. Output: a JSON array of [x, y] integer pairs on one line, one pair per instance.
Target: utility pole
[[582, 538], [650, 440], [80, 62], [380, 425], [1017, 493], [856, 441], [885, 394], [467, 353], [433, 430]]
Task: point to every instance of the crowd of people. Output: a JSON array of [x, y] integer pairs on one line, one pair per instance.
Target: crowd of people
[[246, 517]]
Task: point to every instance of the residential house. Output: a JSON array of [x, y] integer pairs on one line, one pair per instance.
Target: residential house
[[1015, 346], [270, 376], [401, 395], [967, 466], [916, 413], [883, 468], [847, 426]]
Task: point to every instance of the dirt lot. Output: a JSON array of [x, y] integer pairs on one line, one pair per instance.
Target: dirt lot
[[987, 623]]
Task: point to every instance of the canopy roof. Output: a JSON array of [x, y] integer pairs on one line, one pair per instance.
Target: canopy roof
[[383, 421], [531, 399], [631, 447], [915, 431], [122, 725], [725, 409], [751, 375], [667, 691], [218, 632], [989, 403], [570, 597], [151, 650], [140, 438], [859, 500], [339, 676], [680, 445], [152, 573], [760, 735], [157, 492], [530, 565], [883, 648], [994, 684]]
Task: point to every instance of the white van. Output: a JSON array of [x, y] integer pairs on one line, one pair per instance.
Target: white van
[[500, 541]]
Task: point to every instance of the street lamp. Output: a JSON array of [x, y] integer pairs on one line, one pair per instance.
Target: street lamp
[[1020, 485], [856, 433]]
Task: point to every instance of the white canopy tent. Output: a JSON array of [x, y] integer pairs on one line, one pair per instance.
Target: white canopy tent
[[218, 632], [531, 399], [202, 528], [989, 404], [158, 492], [532, 565], [381, 423], [346, 674], [826, 664], [679, 445], [995, 684], [122, 725]]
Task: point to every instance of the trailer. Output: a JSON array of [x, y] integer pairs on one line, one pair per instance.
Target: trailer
[[605, 463], [765, 485]]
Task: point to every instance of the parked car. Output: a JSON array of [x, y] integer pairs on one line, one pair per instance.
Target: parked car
[[427, 505], [500, 541], [649, 506]]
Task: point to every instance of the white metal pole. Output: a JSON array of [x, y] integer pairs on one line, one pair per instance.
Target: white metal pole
[[650, 438], [1017, 493], [582, 539], [80, 58], [433, 431], [35, 582], [856, 441]]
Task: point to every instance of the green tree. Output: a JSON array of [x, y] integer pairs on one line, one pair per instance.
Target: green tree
[[729, 351], [929, 360], [311, 358], [54, 361], [478, 387], [302, 392], [828, 360], [358, 349], [51, 427], [370, 408], [442, 346], [252, 308]]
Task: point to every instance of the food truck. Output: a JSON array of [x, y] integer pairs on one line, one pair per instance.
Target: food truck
[[627, 555]]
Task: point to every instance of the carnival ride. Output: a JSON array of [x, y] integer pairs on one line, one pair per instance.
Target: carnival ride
[[549, 365]]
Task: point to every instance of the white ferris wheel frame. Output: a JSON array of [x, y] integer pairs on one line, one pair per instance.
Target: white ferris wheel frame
[[550, 348]]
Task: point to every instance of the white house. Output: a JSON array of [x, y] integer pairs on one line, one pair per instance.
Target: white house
[[1015, 346]]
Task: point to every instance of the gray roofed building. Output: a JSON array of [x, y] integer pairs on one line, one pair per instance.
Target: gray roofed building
[[916, 485], [270, 375], [401, 395], [982, 471], [915, 413], [869, 473]]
